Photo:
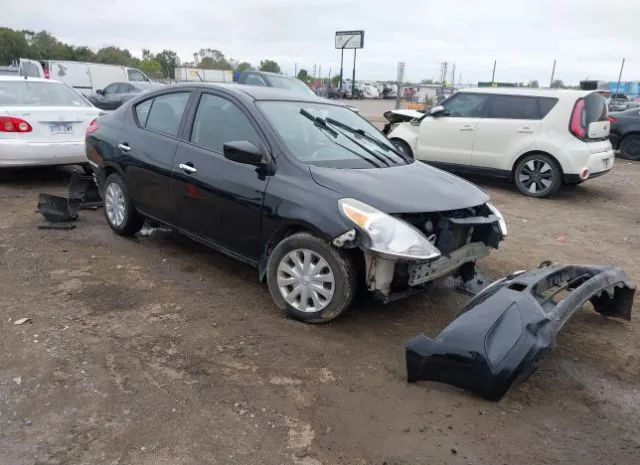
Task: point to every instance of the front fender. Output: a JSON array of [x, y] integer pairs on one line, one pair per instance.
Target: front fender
[[407, 132]]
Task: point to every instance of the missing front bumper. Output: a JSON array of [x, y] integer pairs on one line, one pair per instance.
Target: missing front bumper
[[509, 326]]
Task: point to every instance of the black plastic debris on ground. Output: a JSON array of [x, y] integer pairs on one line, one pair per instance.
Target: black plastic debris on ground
[[83, 188], [58, 209], [83, 194], [505, 330]]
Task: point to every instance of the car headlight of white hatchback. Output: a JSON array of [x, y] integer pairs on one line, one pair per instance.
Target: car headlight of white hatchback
[[501, 222], [389, 236]]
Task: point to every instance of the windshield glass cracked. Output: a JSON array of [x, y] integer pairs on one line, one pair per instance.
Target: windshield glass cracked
[[329, 135]]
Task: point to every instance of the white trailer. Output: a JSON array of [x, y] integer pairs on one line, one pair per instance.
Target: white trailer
[[87, 78], [185, 74]]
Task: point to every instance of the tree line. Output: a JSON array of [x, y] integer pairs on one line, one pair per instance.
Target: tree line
[[16, 44]]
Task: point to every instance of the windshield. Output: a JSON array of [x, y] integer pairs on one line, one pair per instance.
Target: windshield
[[292, 84], [327, 142], [25, 92]]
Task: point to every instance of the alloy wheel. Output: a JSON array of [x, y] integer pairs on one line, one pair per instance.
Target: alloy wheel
[[536, 176], [305, 280]]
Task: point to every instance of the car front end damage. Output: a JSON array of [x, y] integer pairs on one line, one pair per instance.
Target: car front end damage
[[445, 243], [505, 330]]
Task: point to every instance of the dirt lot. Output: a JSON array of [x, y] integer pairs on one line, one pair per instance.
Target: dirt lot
[[154, 350]]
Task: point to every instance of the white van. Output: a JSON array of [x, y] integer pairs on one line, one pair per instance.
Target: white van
[[87, 78]]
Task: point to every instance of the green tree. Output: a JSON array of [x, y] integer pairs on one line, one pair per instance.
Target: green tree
[[151, 68], [558, 84], [335, 80], [303, 75], [533, 83], [83, 54], [213, 59], [269, 66], [115, 56], [168, 60], [244, 66], [43, 45], [13, 45], [426, 81]]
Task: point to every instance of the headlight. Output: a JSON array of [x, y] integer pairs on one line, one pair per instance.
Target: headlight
[[389, 236], [501, 222]]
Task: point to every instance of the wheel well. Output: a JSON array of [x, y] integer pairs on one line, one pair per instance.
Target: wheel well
[[397, 139], [274, 240], [535, 152], [632, 133]]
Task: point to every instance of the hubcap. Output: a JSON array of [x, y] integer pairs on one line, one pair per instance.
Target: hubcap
[[114, 204], [305, 280], [536, 176]]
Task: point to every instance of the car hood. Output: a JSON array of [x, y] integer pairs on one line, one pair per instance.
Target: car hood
[[410, 188]]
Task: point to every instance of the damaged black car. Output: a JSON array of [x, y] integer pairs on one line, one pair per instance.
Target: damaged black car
[[307, 191]]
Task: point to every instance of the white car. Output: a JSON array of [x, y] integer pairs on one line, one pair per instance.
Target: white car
[[540, 139], [42, 122]]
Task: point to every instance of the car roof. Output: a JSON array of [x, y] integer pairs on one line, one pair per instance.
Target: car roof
[[22, 78], [527, 91], [256, 92]]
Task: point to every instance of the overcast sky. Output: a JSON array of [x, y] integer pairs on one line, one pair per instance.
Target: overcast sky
[[588, 38]]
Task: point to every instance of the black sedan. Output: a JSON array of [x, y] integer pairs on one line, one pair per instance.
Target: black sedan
[[307, 191], [115, 94], [625, 133]]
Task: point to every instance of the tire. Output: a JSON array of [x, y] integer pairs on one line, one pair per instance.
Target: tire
[[119, 211], [403, 147], [630, 147], [537, 175], [337, 278]]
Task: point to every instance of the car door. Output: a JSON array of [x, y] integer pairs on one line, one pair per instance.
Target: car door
[[510, 128], [147, 145], [215, 198], [448, 137], [110, 96]]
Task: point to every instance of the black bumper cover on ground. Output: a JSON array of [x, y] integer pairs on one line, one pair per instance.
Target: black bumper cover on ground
[[509, 326]]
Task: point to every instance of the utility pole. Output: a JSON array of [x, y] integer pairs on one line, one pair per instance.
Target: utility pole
[[320, 71], [399, 80], [314, 71], [493, 75], [619, 77], [341, 61], [453, 76], [553, 73], [353, 79], [295, 70]]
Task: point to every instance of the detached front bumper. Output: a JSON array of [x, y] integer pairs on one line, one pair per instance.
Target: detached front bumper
[[509, 326]]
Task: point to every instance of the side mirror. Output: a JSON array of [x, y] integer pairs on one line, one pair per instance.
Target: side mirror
[[438, 110], [100, 91], [243, 152]]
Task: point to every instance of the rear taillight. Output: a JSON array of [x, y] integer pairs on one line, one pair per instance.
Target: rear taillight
[[575, 123], [46, 73], [12, 124], [613, 119], [93, 127]]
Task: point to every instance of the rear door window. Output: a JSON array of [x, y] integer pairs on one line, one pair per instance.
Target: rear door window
[[142, 111], [513, 107], [546, 105], [466, 105], [219, 121], [166, 112]]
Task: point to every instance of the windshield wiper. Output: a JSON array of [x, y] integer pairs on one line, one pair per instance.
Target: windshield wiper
[[322, 124], [367, 136]]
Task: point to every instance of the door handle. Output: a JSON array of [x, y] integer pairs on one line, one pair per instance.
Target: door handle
[[187, 167], [466, 128], [124, 147], [525, 130]]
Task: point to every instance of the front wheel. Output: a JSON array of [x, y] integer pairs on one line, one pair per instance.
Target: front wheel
[[630, 148], [118, 207], [309, 279], [403, 148], [537, 175]]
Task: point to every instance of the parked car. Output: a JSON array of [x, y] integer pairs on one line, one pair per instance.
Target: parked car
[[305, 190], [625, 133], [115, 94], [42, 122], [264, 79], [618, 102], [86, 78], [540, 139]]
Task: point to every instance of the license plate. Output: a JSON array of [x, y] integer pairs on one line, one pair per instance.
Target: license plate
[[605, 162], [60, 128]]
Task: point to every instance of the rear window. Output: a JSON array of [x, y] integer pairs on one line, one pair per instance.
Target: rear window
[[165, 112], [31, 93], [546, 105], [595, 109], [513, 107]]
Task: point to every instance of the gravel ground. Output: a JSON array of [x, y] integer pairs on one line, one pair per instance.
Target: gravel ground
[[155, 350]]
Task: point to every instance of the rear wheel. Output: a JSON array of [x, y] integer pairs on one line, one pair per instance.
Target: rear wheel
[[630, 147], [118, 207], [537, 175], [309, 279]]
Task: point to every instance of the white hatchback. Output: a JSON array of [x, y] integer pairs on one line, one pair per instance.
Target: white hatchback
[[42, 122], [539, 138]]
